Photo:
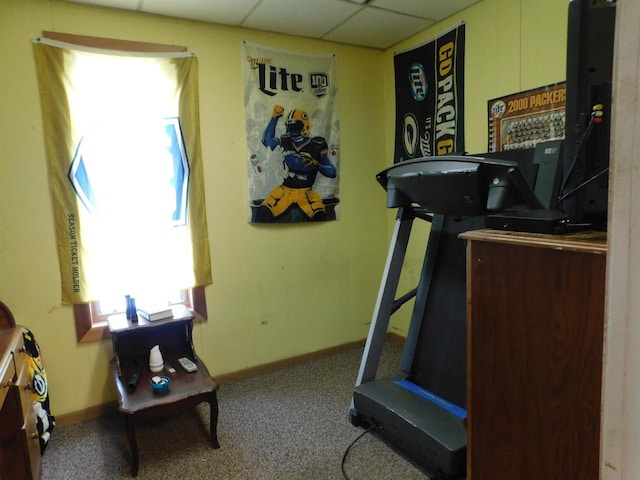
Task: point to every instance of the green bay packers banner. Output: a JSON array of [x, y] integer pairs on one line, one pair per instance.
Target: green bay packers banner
[[429, 83], [292, 125]]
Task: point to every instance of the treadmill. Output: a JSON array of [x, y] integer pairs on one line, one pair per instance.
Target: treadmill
[[420, 411]]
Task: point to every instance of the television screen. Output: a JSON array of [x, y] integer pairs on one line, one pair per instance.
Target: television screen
[[590, 37]]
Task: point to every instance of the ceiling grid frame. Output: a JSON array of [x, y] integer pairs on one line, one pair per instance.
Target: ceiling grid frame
[[378, 24]]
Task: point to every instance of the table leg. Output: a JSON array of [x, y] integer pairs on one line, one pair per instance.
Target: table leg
[[213, 419], [133, 446]]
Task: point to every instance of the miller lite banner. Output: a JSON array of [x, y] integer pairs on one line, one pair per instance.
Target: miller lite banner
[[429, 83], [293, 131]]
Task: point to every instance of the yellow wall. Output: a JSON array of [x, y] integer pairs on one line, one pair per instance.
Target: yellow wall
[[278, 291], [511, 45]]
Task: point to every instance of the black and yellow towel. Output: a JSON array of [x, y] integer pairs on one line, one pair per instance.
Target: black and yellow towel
[[45, 421]]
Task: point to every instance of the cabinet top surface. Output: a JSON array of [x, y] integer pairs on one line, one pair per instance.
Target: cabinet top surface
[[9, 338], [587, 241]]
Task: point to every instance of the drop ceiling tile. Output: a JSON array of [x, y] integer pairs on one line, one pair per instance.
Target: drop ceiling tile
[[305, 18], [433, 9], [374, 23], [228, 12], [377, 28], [125, 4]]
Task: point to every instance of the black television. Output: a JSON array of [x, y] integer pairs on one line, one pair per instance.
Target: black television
[[462, 185], [590, 40]]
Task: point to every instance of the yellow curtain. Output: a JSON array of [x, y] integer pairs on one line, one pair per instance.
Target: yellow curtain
[[123, 116]]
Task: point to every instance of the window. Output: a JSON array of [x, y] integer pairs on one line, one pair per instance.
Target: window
[[123, 150], [92, 325]]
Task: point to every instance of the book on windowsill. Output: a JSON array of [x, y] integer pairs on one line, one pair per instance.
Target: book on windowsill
[[156, 314]]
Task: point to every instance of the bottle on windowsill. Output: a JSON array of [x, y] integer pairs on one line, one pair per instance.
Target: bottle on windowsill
[[131, 312]]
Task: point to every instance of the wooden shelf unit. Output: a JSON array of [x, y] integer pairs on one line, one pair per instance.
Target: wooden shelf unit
[[535, 351], [19, 441]]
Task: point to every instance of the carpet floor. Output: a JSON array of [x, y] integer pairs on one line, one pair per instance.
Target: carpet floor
[[289, 424]]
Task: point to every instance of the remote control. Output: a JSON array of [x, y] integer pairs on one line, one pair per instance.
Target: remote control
[[187, 365]]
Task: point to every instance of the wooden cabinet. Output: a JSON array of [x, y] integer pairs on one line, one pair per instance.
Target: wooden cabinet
[[19, 442], [535, 350]]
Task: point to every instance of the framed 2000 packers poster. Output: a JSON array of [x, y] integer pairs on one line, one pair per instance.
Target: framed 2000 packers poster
[[521, 120]]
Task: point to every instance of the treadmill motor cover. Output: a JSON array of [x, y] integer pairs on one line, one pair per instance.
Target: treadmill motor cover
[[430, 435]]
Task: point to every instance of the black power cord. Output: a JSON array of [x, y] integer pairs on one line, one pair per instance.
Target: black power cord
[[594, 119], [346, 452], [589, 180]]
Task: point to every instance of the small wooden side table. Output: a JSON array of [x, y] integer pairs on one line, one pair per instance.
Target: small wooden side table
[[131, 345]]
